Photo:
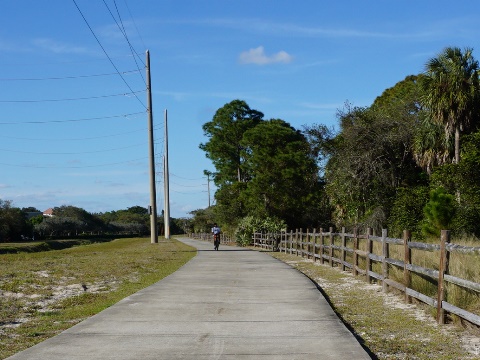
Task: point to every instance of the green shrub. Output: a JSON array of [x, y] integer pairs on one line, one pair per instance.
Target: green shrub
[[438, 211], [250, 224], [407, 211]]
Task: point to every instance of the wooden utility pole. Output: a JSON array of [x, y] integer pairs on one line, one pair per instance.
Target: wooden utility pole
[[208, 173], [166, 214], [151, 150]]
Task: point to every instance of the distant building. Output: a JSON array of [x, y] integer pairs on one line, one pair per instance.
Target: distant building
[[48, 212]]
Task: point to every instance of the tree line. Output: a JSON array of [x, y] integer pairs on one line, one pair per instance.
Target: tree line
[[70, 221], [408, 161]]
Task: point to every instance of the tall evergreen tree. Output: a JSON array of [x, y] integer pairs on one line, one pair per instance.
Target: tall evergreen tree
[[225, 133], [284, 175]]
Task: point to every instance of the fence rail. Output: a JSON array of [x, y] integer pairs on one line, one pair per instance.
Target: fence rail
[[335, 248]]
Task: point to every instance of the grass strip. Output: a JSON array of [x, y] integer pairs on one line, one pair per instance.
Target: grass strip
[[44, 293]]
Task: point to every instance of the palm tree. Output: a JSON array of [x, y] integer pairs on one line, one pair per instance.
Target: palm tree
[[451, 92], [430, 146]]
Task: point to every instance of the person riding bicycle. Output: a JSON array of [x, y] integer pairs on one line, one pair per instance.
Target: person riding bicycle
[[216, 236]]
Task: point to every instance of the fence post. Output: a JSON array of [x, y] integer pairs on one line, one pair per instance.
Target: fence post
[[305, 242], [344, 245], [385, 256], [355, 253], [330, 252], [321, 246], [296, 242], [302, 250], [442, 270], [407, 276], [368, 266], [314, 245], [308, 244], [291, 241]]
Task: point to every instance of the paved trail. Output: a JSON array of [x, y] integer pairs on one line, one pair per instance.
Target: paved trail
[[227, 304]]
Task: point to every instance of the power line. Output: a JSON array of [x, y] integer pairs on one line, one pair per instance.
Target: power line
[[124, 32], [72, 167], [69, 120], [187, 186], [72, 139], [70, 153], [76, 61], [68, 77], [135, 24], [45, 154], [73, 99], [106, 54], [197, 179], [188, 193]]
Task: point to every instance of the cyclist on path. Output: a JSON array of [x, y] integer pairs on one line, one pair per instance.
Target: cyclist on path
[[216, 236]]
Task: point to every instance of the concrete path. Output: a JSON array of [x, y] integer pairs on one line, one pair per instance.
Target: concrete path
[[227, 304]]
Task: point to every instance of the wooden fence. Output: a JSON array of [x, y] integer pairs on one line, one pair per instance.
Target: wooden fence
[[336, 248]]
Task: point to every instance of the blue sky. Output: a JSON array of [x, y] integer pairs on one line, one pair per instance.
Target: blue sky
[[73, 131]]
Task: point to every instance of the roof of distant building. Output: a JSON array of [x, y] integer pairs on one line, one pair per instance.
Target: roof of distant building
[[48, 212]]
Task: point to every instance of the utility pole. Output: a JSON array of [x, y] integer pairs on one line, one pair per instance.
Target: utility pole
[[208, 173], [166, 214], [151, 151], [208, 188]]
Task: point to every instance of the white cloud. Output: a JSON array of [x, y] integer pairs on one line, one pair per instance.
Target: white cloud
[[258, 56]]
